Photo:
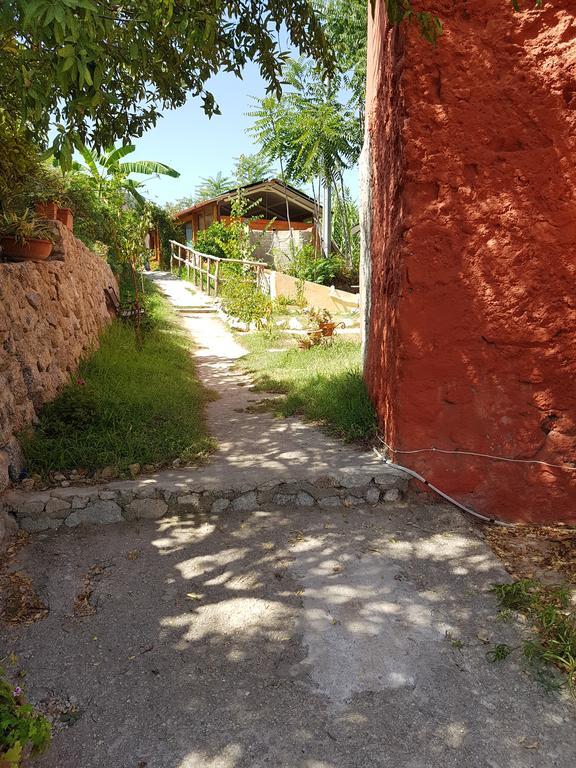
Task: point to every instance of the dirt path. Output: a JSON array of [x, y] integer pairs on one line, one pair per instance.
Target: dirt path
[[251, 442]]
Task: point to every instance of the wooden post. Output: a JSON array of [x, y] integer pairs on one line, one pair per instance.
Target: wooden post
[[216, 278], [179, 262], [171, 256]]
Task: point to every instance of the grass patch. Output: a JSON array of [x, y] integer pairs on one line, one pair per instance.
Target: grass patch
[[126, 406], [323, 384], [551, 612]]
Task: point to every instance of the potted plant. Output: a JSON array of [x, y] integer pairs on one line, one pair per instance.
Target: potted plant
[[66, 216], [25, 237], [46, 210]]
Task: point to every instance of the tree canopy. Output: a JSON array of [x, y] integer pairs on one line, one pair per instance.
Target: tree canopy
[[102, 71]]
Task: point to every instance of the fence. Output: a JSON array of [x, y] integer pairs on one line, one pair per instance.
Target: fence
[[205, 269]]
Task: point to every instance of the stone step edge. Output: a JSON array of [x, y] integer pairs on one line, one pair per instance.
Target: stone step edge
[[93, 505]]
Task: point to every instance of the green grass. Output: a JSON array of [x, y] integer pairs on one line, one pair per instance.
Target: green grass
[[142, 407], [552, 617], [323, 384]]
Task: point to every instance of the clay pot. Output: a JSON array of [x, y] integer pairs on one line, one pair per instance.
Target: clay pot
[[327, 329], [32, 250], [47, 210], [66, 217]]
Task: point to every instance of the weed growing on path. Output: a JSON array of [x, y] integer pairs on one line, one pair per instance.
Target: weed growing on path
[[552, 615]]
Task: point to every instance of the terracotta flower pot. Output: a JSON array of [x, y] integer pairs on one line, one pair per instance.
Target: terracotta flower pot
[[31, 250], [66, 217], [327, 329], [47, 210]]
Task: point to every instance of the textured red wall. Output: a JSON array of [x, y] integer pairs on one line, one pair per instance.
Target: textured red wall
[[473, 245]]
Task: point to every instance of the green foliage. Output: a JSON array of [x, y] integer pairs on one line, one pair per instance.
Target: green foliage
[[307, 264], [108, 166], [243, 300], [25, 226], [213, 186], [168, 230], [20, 726], [551, 612], [252, 168], [126, 406], [104, 72], [346, 24], [325, 384], [215, 239], [19, 159]]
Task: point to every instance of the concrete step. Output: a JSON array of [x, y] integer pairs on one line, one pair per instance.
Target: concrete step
[[190, 491]]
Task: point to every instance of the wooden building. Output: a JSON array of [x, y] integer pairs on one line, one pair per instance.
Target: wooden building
[[277, 208]]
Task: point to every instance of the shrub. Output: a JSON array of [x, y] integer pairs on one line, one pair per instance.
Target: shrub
[[215, 240], [242, 299], [306, 264], [21, 729]]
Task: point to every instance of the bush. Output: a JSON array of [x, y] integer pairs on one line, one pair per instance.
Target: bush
[[21, 729], [242, 299], [215, 240], [306, 264]]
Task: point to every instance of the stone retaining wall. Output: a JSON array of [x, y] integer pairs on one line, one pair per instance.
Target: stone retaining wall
[[151, 500], [51, 315]]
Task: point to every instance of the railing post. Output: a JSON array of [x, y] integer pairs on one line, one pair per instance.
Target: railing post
[[179, 262], [216, 278], [171, 255]]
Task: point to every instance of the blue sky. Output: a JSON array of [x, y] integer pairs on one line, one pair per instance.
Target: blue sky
[[199, 146]]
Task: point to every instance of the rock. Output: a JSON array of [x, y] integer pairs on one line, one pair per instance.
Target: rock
[[245, 503], [97, 512], [353, 501], [4, 469], [42, 524], [27, 484], [79, 502], [107, 473], [58, 477], [189, 502], [145, 509], [146, 491], [32, 509], [326, 481], [329, 501], [176, 463], [148, 468], [372, 495], [219, 506], [283, 499], [8, 527], [107, 495], [33, 299], [57, 508], [392, 494], [134, 469], [65, 484], [304, 499], [386, 480]]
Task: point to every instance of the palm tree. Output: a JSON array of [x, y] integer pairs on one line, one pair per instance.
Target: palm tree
[[107, 166], [212, 186]]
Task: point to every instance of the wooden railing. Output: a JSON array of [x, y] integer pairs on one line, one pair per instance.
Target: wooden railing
[[205, 269]]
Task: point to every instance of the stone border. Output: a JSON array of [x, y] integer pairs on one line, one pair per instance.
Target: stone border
[[90, 505]]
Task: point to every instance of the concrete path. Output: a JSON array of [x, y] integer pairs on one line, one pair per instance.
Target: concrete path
[[281, 639], [277, 637]]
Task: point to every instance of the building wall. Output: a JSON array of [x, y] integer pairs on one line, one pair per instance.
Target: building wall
[[471, 343], [51, 315]]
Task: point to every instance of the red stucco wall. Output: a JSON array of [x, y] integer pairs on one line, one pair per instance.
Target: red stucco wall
[[473, 300]]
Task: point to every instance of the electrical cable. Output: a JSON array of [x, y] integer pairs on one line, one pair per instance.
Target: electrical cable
[[423, 480]]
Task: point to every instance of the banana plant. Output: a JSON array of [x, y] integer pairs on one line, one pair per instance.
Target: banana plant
[[108, 166]]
